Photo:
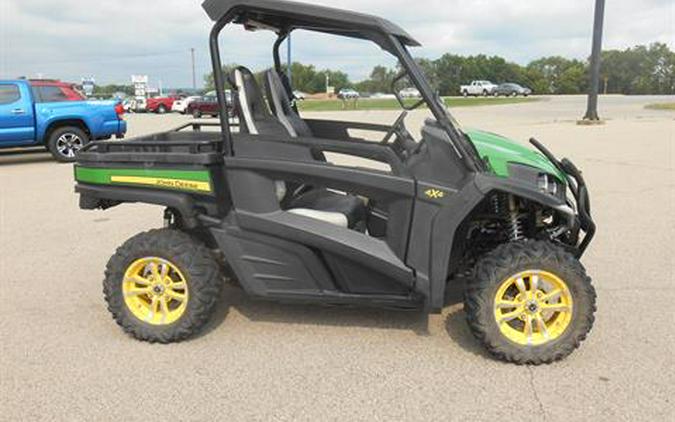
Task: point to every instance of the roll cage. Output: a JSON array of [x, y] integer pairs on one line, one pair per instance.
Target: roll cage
[[283, 17]]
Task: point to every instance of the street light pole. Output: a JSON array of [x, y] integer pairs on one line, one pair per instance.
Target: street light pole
[[194, 77], [592, 108]]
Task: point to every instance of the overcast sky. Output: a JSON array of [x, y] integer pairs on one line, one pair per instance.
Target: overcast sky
[[111, 40]]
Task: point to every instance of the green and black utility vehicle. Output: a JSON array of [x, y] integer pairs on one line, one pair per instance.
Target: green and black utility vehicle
[[259, 196]]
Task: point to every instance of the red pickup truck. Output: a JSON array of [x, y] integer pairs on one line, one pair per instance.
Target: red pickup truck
[[160, 105]]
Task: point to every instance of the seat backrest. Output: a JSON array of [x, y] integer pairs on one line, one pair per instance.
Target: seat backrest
[[281, 106], [255, 118]]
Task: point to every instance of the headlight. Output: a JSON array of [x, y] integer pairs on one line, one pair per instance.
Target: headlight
[[548, 184], [535, 177]]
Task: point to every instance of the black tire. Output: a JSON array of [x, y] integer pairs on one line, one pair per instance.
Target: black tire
[[161, 109], [465, 93], [512, 258], [65, 141], [197, 114], [194, 260], [485, 93]]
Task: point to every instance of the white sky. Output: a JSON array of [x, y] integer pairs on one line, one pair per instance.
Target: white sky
[[111, 40]]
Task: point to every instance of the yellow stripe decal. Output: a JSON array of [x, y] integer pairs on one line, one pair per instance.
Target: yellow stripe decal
[[163, 182]]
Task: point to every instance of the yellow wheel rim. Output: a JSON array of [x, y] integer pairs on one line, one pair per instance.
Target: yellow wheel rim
[[533, 307], [155, 291]]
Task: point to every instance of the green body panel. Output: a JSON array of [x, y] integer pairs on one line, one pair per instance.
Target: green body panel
[[500, 151], [154, 177]]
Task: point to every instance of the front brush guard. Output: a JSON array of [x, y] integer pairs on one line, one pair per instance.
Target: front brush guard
[[577, 186]]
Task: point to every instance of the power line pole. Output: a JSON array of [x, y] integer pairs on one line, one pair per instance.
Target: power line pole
[[194, 76], [592, 107]]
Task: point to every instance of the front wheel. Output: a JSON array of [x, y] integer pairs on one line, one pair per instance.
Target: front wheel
[[162, 285], [530, 302], [197, 114], [64, 142], [161, 109]]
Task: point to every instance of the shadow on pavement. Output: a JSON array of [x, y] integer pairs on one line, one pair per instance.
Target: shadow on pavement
[[13, 157], [234, 297], [342, 316]]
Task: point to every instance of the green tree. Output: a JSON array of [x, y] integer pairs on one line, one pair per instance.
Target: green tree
[[639, 70], [558, 75], [209, 84]]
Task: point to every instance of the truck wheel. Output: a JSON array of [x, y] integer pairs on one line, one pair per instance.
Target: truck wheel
[[485, 93], [465, 93], [161, 109], [162, 285], [65, 141], [530, 302], [197, 114]]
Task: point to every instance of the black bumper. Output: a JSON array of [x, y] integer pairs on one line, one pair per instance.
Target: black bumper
[[577, 186]]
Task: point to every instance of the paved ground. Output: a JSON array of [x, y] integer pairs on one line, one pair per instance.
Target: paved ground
[[63, 358]]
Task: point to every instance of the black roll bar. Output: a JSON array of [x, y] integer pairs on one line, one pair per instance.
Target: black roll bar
[[219, 80]]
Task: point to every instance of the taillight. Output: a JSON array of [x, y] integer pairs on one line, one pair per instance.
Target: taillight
[[119, 109]]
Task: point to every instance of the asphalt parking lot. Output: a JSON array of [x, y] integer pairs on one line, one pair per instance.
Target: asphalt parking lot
[[63, 358]]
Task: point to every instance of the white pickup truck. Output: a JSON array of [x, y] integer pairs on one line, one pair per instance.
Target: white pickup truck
[[483, 88]]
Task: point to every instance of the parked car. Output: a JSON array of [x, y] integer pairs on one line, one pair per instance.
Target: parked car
[[409, 93], [299, 95], [511, 89], [208, 106], [204, 106], [348, 94], [38, 114], [477, 88], [180, 106], [160, 105]]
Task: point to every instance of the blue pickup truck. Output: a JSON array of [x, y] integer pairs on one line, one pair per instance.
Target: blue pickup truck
[[31, 115]]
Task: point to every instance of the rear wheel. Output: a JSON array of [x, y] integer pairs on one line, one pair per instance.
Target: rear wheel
[[161, 109], [64, 142], [197, 114], [162, 285], [530, 302]]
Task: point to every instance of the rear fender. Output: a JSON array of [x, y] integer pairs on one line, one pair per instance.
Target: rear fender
[[102, 197]]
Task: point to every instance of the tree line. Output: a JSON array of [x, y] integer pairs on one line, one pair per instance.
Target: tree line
[[641, 69]]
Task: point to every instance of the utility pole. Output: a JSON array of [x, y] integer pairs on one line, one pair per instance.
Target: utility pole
[[194, 77], [592, 108]]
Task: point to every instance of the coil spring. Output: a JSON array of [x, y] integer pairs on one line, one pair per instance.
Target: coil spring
[[516, 226], [506, 207]]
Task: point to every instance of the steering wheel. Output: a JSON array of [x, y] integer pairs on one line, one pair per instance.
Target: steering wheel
[[394, 128]]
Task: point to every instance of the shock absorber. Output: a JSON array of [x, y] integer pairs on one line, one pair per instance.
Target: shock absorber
[[516, 231]]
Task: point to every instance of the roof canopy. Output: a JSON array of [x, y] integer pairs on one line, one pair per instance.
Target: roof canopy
[[282, 15]]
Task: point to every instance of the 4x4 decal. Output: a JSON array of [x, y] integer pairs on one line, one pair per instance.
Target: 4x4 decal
[[434, 193]]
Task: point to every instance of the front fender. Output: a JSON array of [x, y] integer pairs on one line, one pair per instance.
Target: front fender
[[431, 257]]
